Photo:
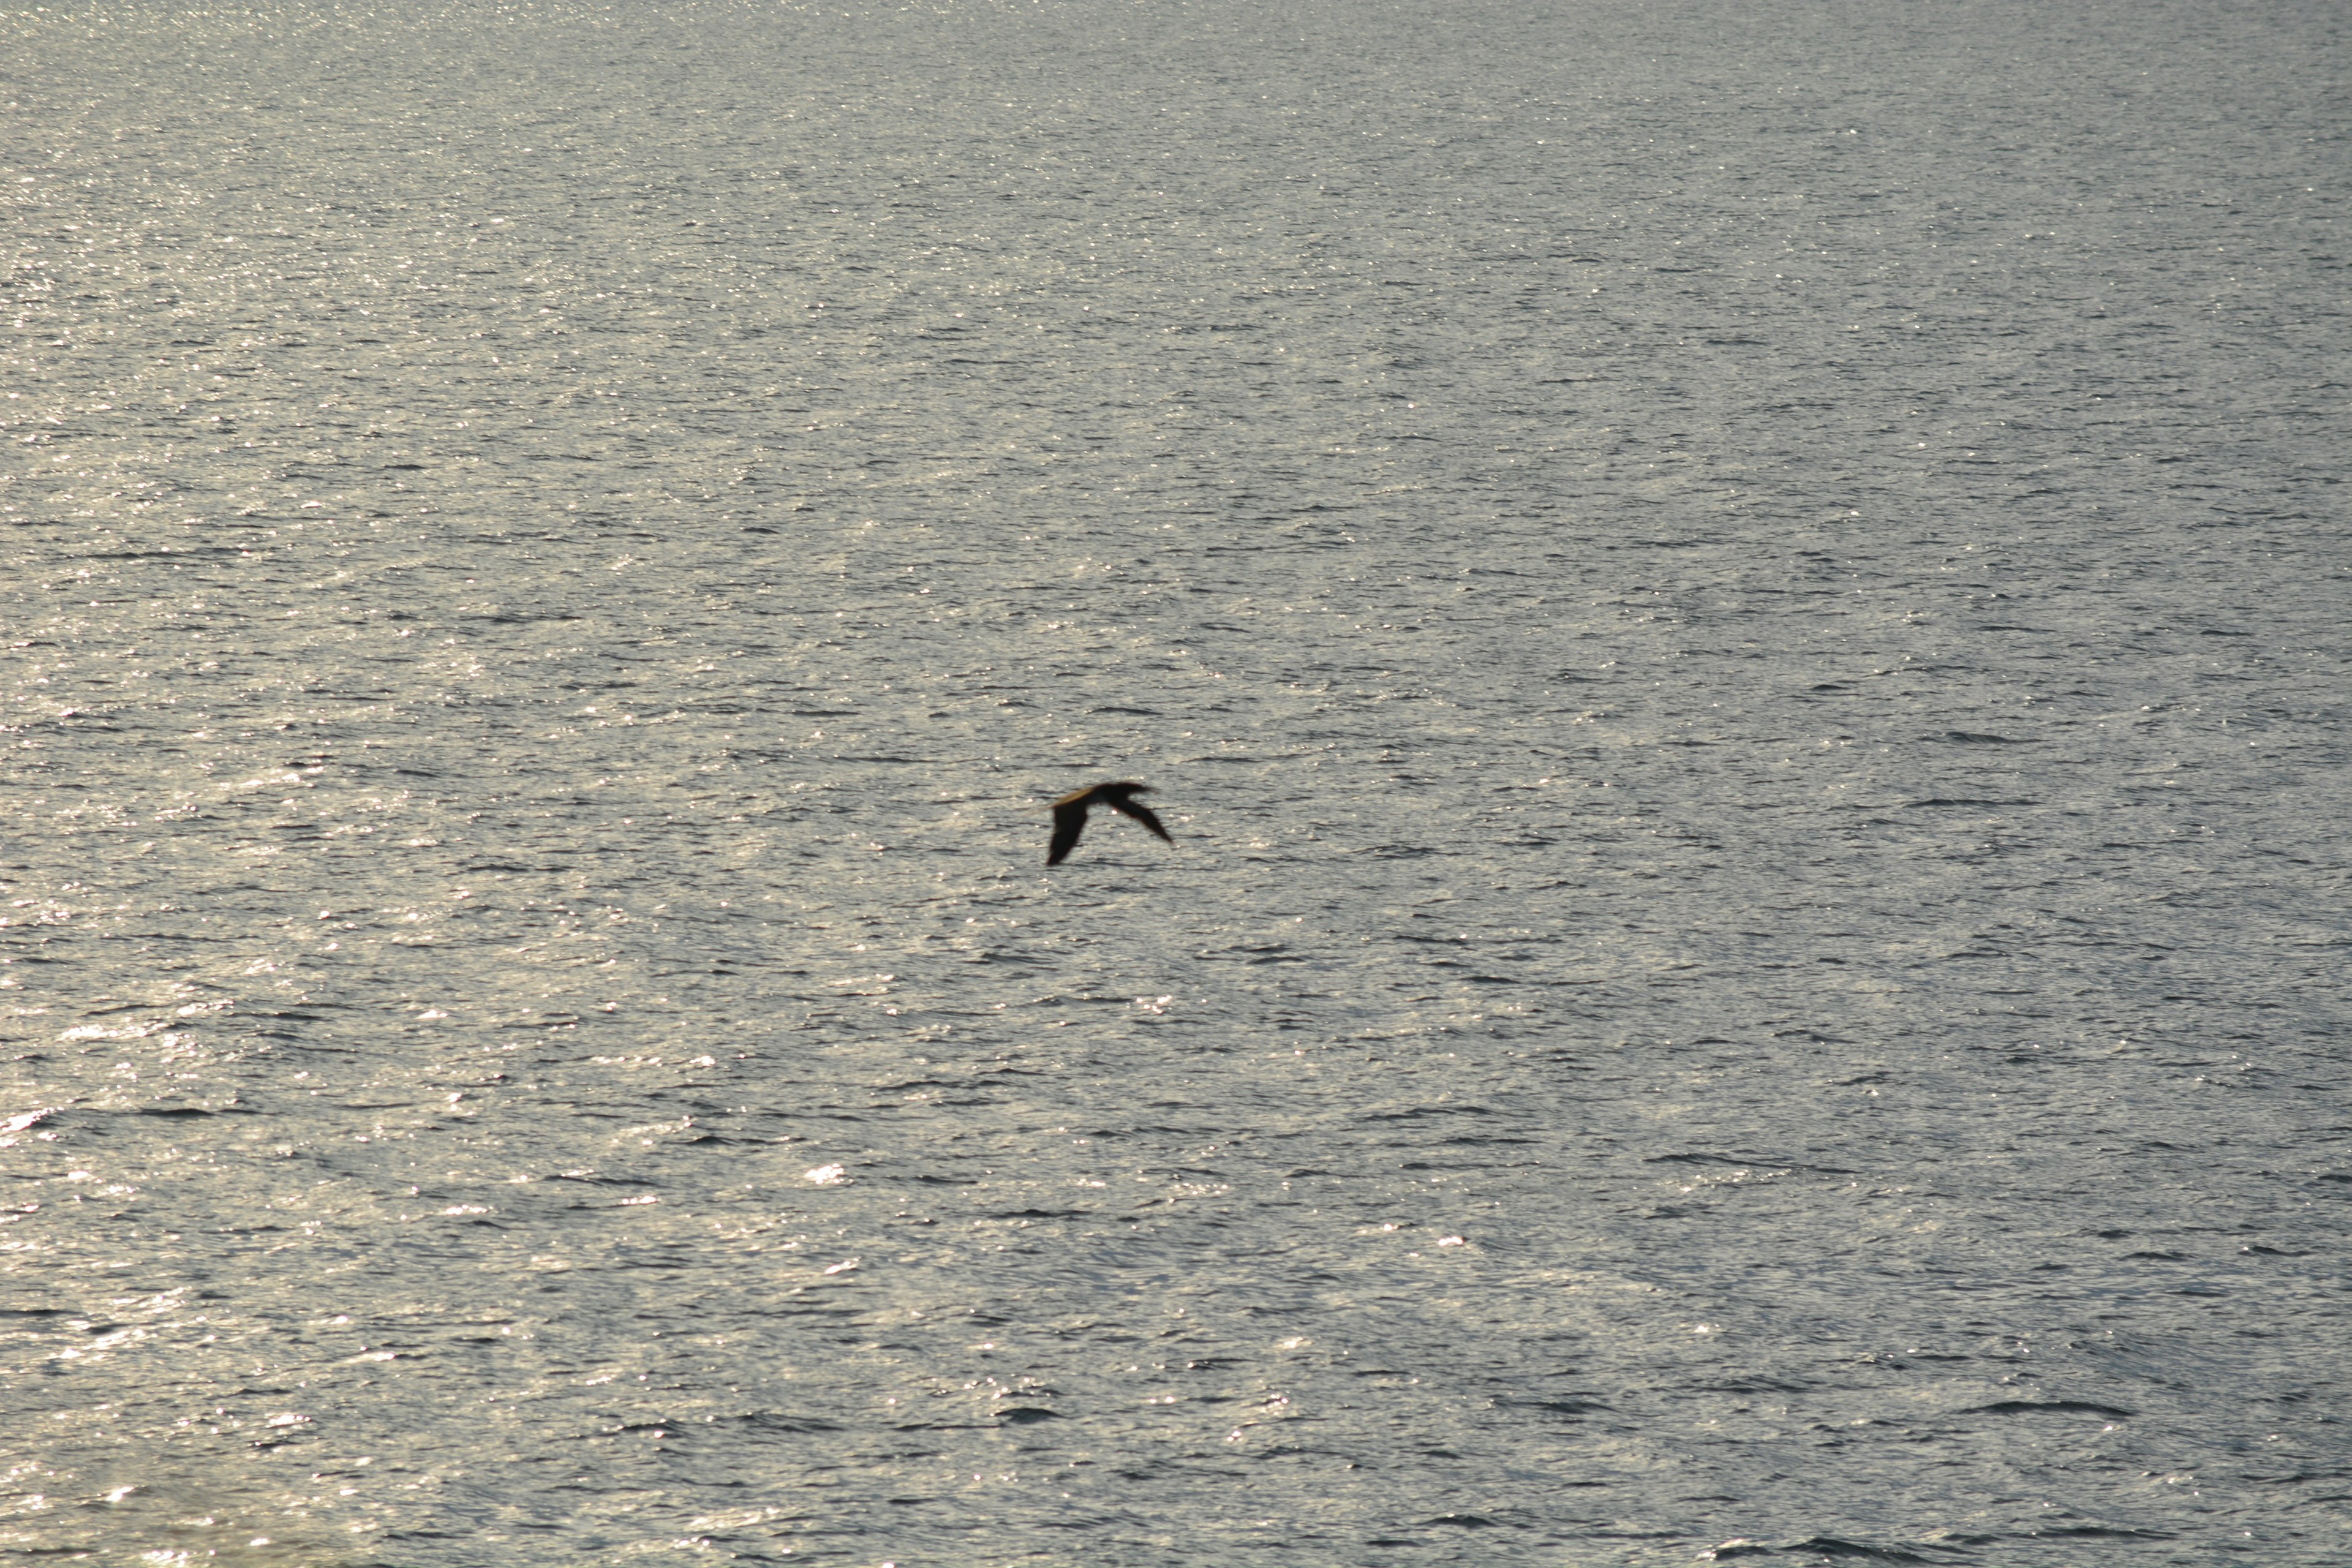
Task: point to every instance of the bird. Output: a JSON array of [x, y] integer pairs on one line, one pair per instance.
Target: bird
[[1070, 813]]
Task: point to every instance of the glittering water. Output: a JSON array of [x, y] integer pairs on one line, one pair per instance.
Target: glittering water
[[1739, 617]]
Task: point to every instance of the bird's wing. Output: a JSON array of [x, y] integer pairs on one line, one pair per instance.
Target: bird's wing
[[1141, 813], [1069, 820]]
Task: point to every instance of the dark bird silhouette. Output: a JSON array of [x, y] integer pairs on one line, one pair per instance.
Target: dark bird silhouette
[[1070, 813]]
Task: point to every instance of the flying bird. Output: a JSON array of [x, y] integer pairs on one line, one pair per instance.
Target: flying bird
[[1070, 813]]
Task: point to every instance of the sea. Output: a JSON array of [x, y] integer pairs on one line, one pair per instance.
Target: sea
[[1740, 615]]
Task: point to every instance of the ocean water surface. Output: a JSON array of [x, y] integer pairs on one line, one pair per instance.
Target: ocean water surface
[[1740, 617]]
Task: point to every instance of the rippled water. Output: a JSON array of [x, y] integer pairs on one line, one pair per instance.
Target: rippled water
[[1740, 617]]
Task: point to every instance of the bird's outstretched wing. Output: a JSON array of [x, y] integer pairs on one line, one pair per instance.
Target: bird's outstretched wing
[[1142, 813], [1069, 821]]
